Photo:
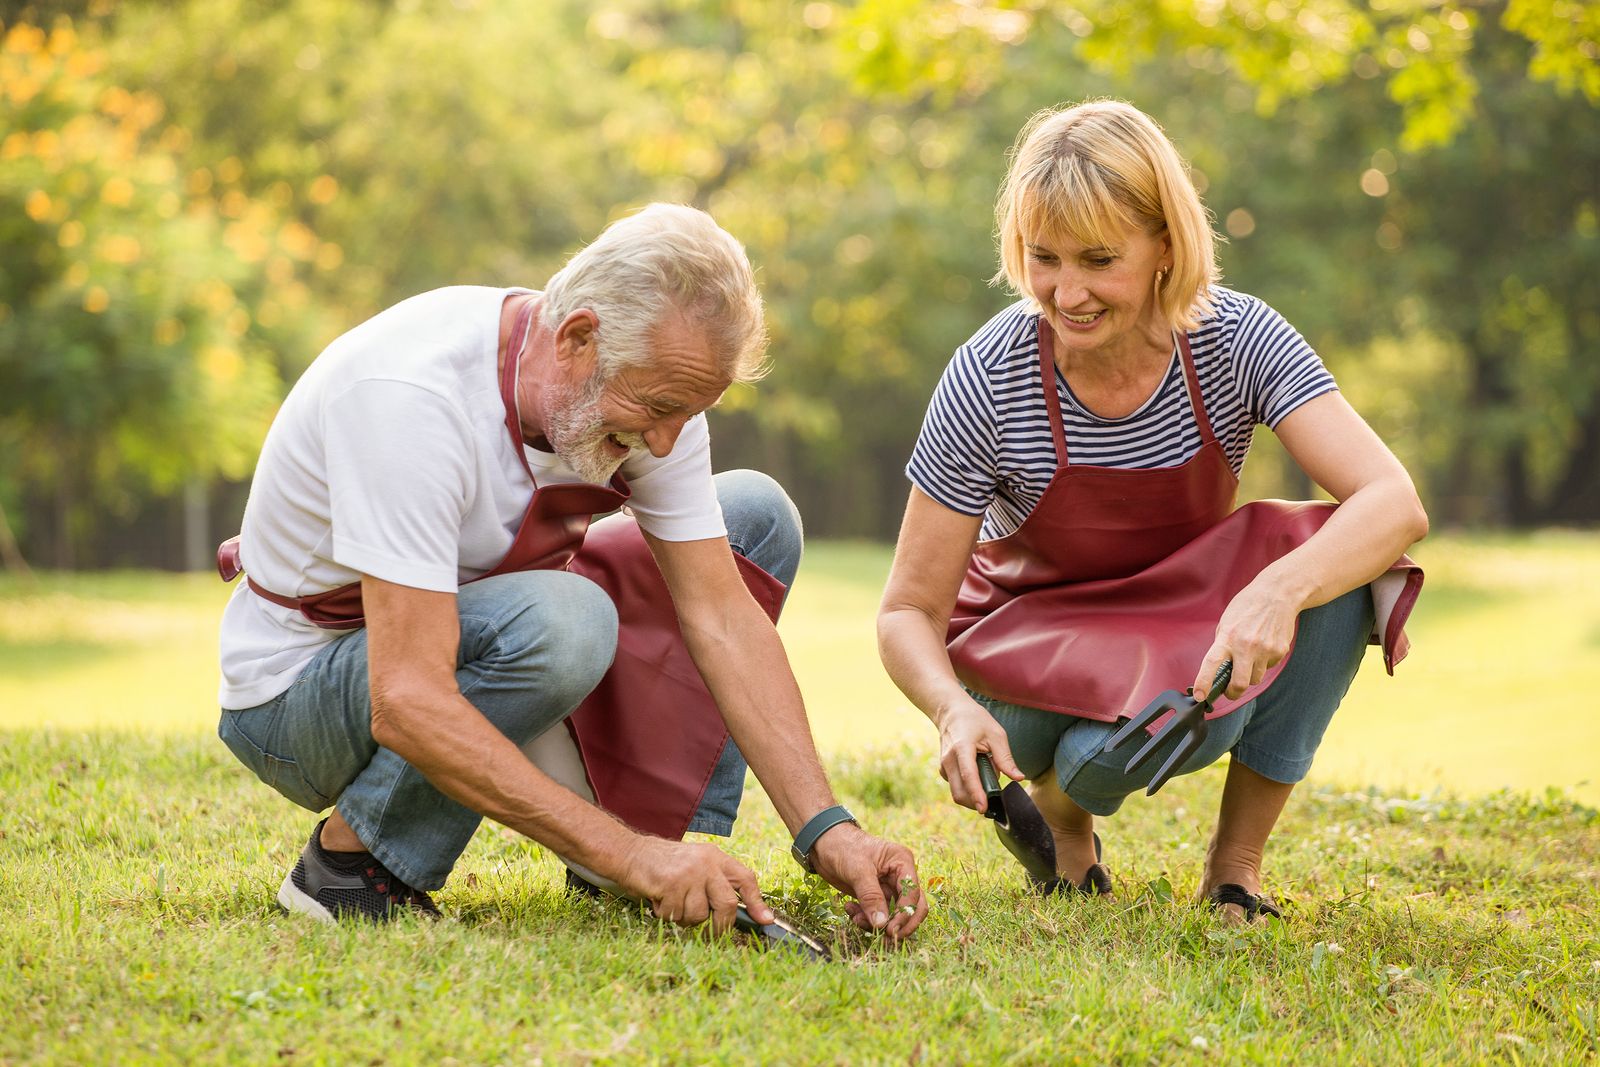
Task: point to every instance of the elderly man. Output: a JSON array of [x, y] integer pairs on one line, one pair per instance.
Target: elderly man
[[424, 611]]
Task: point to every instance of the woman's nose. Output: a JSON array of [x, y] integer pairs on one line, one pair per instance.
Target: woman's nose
[[1069, 290]]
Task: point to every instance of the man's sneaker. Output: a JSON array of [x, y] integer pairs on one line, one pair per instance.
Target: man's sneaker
[[331, 885]]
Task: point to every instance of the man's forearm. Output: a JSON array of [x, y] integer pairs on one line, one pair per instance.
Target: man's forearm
[[744, 666], [466, 758]]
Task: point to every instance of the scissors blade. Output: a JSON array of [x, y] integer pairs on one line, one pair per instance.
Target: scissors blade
[[778, 933]]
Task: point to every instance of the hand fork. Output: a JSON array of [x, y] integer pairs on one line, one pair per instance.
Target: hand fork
[[1189, 715]]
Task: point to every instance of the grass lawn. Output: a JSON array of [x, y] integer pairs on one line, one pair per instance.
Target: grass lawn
[[138, 876], [1425, 924], [1497, 693]]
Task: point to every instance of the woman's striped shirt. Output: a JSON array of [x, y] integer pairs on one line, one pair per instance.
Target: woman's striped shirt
[[985, 445]]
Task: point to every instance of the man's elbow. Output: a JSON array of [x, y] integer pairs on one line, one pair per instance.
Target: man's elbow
[[396, 714]]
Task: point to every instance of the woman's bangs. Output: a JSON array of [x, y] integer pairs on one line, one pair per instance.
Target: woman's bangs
[[1073, 204]]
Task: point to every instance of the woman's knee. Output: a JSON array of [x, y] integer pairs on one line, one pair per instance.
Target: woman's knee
[[763, 524]]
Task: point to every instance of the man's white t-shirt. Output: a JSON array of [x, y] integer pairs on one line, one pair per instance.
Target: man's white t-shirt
[[390, 457]]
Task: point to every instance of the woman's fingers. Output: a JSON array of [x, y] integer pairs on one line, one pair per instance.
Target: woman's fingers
[[960, 769], [1000, 752], [1214, 658]]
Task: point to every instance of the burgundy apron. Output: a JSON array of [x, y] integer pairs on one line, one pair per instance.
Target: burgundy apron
[[1111, 589], [650, 733]]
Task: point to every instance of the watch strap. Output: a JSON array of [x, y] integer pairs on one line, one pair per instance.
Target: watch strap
[[815, 827]]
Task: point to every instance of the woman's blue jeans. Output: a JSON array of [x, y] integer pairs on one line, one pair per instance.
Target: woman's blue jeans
[[1276, 734], [533, 645]]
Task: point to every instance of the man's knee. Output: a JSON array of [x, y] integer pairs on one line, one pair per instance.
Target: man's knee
[[763, 523], [556, 628]]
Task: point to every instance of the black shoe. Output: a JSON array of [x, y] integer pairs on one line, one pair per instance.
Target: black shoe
[[332, 885], [1096, 880], [1253, 905], [579, 886]]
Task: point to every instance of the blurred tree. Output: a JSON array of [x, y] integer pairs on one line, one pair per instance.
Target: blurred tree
[[130, 359], [1413, 184], [1422, 202]]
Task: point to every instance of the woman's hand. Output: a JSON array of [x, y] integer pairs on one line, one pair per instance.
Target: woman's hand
[[1255, 632], [965, 730]]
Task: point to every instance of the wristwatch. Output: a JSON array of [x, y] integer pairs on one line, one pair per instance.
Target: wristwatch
[[815, 827]]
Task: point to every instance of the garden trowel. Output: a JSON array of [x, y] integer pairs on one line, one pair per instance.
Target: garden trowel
[[1017, 823]]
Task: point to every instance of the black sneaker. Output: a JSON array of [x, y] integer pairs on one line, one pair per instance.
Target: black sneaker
[[331, 885]]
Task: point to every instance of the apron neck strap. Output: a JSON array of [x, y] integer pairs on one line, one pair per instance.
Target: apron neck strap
[[508, 382], [1052, 395], [1191, 380]]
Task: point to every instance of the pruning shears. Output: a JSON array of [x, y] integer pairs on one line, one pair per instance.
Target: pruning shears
[[1189, 715], [780, 934]]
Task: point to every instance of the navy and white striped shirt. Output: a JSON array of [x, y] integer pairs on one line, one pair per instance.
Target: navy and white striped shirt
[[985, 445]]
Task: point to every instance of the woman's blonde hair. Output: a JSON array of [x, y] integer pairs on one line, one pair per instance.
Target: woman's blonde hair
[[1085, 170]]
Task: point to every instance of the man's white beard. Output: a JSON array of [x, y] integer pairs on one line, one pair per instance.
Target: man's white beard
[[575, 432]]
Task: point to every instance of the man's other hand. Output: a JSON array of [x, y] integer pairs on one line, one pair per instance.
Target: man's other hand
[[686, 883], [881, 875]]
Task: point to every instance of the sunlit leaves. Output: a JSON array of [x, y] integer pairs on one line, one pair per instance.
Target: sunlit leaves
[[127, 360], [1566, 37]]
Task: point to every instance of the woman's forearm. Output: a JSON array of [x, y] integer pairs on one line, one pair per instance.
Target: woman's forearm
[[1362, 539], [912, 647]]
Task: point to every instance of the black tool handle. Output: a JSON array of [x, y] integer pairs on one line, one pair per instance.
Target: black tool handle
[[994, 806], [1219, 683]]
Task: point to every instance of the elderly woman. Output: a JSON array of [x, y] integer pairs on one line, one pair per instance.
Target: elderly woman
[[1071, 547]]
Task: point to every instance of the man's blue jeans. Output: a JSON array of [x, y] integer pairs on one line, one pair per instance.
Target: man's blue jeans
[[1276, 734], [533, 645]]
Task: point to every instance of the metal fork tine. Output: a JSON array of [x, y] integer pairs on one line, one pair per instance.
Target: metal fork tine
[[1158, 707], [1191, 743], [1141, 757]]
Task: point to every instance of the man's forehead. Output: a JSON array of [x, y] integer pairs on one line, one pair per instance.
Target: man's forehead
[[683, 378]]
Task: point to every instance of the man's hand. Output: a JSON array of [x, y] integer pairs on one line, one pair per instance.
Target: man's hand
[[881, 875], [686, 883]]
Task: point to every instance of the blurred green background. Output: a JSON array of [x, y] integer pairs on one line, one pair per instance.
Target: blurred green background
[[196, 196]]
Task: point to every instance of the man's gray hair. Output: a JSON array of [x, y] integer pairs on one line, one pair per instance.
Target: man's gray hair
[[644, 268]]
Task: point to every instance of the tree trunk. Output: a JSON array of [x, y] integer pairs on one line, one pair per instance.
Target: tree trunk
[[198, 548], [1576, 498], [10, 554]]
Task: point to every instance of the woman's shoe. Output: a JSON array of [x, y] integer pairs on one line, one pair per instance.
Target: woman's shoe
[[1096, 880], [1253, 905]]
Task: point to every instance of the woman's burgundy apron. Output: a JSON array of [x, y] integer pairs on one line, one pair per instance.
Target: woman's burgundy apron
[[650, 733], [1111, 589]]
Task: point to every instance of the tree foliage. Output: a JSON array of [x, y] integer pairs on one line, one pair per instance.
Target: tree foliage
[[140, 299], [195, 197]]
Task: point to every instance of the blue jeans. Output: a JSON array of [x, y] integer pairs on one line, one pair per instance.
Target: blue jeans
[[533, 645], [1276, 734]]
